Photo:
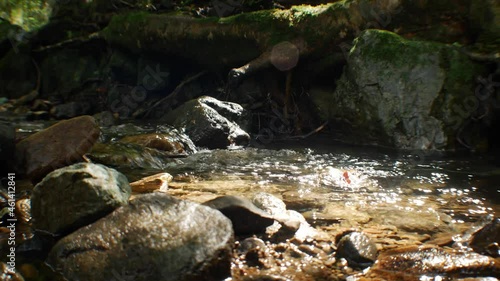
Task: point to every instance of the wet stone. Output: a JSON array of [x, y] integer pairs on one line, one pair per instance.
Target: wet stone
[[129, 155], [207, 125], [154, 237], [251, 243], [358, 249], [245, 216], [269, 203], [487, 239], [57, 146], [410, 263], [173, 142], [74, 196], [254, 250], [287, 223]]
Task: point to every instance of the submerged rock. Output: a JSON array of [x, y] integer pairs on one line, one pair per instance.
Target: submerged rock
[[245, 216], [173, 143], [155, 237], [487, 239], [129, 155], [358, 249], [422, 221], [208, 122], [57, 146], [403, 93], [74, 196], [414, 262]]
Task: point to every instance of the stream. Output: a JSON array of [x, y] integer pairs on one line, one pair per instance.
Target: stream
[[401, 197]]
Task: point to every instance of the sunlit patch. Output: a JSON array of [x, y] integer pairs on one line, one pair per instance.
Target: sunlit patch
[[417, 202], [345, 179]]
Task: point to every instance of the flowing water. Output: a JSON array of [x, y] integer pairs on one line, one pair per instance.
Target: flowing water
[[318, 179], [338, 186]]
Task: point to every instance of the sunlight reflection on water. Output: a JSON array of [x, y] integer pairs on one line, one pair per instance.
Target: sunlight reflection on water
[[363, 179]]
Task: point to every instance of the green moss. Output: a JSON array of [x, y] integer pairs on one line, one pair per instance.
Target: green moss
[[388, 46], [270, 23], [134, 18], [126, 28], [306, 12]]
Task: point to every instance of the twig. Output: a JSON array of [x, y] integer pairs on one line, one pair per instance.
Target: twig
[[177, 89], [82, 39], [311, 132]]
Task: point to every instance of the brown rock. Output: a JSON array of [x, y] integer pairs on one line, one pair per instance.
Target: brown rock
[[411, 263], [156, 141], [57, 146]]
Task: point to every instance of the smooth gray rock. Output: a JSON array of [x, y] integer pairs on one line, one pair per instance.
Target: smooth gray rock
[[74, 196], [155, 237], [269, 203], [358, 249], [208, 122], [286, 221], [245, 216]]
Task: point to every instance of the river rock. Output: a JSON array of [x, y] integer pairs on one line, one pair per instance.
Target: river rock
[[207, 121], [105, 118], [245, 216], [487, 239], [155, 237], [57, 146], [129, 155], [7, 144], [286, 222], [412, 263], [423, 221], [70, 109], [358, 249], [402, 93], [269, 203], [74, 196], [174, 143]]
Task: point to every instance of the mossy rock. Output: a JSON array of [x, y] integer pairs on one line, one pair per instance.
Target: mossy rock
[[403, 93]]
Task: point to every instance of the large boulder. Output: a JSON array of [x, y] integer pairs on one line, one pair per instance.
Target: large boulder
[[74, 196], [403, 93], [57, 146], [155, 237], [209, 122]]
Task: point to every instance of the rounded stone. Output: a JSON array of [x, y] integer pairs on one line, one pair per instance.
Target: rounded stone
[[74, 196]]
